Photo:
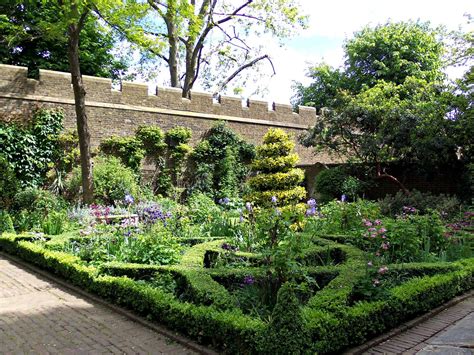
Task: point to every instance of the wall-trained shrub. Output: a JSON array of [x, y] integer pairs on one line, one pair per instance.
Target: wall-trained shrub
[[275, 172]]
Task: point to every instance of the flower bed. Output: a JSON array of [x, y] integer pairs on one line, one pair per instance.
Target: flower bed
[[201, 302]]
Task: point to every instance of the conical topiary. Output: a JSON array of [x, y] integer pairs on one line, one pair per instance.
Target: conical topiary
[[286, 331], [276, 175]]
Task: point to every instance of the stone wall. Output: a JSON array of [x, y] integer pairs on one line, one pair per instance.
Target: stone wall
[[120, 112]]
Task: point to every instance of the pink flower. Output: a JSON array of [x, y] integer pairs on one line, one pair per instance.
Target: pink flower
[[385, 246], [372, 229], [383, 270], [376, 282], [377, 253], [382, 230], [377, 222], [367, 223]]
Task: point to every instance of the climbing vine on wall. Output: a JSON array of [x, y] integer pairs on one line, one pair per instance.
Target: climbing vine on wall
[[32, 149]]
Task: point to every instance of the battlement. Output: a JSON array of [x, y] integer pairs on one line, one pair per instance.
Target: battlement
[[57, 85]]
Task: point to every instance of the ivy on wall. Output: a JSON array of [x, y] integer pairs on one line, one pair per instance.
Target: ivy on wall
[[32, 149]]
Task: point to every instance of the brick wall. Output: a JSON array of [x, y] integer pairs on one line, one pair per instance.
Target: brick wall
[[119, 112]]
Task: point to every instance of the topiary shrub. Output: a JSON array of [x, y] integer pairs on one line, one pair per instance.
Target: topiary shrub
[[112, 181], [6, 223], [329, 183], [286, 331], [276, 175]]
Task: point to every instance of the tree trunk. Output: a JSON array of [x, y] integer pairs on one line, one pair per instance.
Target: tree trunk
[[173, 53], [81, 117]]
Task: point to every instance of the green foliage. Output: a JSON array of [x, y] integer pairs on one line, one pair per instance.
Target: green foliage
[[219, 162], [128, 149], [23, 42], [388, 103], [31, 150], [393, 52], [54, 223], [152, 138], [274, 163], [33, 199], [342, 217], [171, 169], [112, 181], [8, 184], [286, 331], [329, 183], [423, 202], [6, 223]]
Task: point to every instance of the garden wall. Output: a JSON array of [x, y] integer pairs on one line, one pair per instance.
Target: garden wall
[[120, 112]]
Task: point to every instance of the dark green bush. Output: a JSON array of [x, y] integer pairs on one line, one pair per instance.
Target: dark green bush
[[112, 181], [8, 183], [329, 183], [286, 331], [392, 205], [6, 223]]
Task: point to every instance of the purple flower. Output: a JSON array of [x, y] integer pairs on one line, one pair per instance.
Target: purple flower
[[343, 198], [129, 199], [312, 203], [249, 280], [311, 211], [274, 199], [248, 206], [224, 201]]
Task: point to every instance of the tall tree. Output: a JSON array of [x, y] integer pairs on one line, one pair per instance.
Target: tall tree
[[388, 103], [70, 19], [22, 43], [198, 34]]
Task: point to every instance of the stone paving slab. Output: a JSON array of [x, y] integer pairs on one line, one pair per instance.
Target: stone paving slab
[[39, 316]]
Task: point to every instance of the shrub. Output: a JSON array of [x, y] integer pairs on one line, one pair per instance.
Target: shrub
[[128, 149], [329, 183], [277, 176], [112, 181], [33, 199], [6, 223], [392, 205], [286, 331], [54, 223], [8, 184], [220, 162]]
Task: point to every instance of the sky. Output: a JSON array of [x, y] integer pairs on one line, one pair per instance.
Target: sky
[[333, 21]]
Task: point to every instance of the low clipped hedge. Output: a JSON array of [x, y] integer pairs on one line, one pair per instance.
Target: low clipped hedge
[[329, 323]]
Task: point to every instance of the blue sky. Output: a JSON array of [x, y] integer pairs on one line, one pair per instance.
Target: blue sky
[[331, 22]]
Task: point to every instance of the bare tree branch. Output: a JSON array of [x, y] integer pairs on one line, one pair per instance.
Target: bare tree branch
[[243, 67]]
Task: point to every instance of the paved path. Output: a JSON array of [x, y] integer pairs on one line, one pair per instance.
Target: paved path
[[39, 316], [450, 332]]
